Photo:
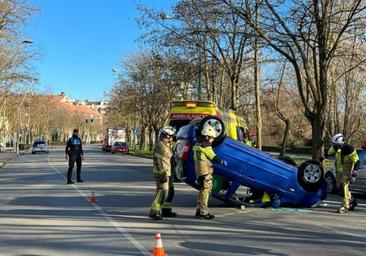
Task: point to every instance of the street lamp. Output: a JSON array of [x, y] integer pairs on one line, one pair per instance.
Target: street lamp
[[21, 103], [27, 41]]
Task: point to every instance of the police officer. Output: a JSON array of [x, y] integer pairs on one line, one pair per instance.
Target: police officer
[[74, 153], [203, 156], [348, 159], [162, 173]]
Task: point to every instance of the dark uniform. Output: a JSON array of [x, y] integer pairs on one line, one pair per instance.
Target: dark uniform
[[74, 150]]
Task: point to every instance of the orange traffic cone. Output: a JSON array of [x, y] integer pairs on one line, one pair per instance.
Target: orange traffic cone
[[159, 250], [92, 198]]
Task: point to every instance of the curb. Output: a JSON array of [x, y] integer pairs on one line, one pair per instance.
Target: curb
[[3, 163], [148, 157]]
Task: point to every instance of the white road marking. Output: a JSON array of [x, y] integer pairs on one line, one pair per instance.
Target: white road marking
[[115, 224], [339, 202]]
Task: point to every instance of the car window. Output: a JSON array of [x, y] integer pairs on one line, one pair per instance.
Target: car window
[[39, 143], [177, 124], [240, 133], [122, 144]]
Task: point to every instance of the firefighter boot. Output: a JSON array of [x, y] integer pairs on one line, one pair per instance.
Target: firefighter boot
[[168, 212], [353, 204], [155, 216]]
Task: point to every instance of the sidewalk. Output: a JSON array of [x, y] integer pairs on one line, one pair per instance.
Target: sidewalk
[[5, 156]]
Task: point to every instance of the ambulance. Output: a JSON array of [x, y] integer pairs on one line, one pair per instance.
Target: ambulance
[[183, 112]]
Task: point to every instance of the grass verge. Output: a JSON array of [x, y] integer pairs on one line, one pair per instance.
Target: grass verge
[[142, 153]]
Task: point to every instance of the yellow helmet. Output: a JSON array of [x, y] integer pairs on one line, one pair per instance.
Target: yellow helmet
[[209, 131]]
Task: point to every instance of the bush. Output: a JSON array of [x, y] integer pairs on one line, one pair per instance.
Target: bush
[[24, 146]]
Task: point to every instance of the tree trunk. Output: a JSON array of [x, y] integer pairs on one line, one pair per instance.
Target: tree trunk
[[207, 79], [234, 93], [151, 140], [142, 138], [285, 136], [222, 81], [317, 128], [156, 131], [199, 89]]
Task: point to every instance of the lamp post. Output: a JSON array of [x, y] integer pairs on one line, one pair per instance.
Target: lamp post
[[21, 103]]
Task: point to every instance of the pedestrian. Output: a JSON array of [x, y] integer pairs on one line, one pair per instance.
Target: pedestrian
[[74, 153], [203, 156], [348, 159], [162, 173]]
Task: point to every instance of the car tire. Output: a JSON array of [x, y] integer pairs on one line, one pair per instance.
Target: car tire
[[217, 124], [332, 183], [310, 175]]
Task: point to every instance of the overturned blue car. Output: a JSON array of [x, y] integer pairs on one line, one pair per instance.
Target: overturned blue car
[[303, 186]]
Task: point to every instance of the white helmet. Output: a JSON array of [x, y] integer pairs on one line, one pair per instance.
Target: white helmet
[[209, 131], [167, 130], [338, 139]]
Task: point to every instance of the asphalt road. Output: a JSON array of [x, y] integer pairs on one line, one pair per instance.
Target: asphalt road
[[42, 216]]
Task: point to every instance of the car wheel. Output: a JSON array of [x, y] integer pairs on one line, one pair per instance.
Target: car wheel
[[332, 184], [310, 175], [216, 123]]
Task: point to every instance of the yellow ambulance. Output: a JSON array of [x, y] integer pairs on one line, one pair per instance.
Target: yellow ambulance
[[183, 112]]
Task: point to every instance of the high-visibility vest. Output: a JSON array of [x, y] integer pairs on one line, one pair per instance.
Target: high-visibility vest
[[202, 157]]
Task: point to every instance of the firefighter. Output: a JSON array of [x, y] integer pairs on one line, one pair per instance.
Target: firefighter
[[348, 159], [203, 156], [247, 140], [162, 173], [336, 152], [74, 153]]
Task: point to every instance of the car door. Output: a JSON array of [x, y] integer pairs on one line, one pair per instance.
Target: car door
[[360, 184]]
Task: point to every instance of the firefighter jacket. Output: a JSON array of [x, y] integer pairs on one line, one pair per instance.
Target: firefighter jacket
[[348, 153], [203, 156], [338, 158], [162, 156]]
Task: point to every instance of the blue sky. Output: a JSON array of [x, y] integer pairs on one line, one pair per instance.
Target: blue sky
[[80, 41]]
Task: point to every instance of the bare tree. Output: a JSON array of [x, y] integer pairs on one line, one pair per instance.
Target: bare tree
[[146, 89], [308, 33], [205, 26]]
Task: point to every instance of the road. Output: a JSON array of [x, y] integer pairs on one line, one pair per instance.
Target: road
[[42, 216]]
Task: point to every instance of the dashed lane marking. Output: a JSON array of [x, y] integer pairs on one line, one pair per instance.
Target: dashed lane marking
[[115, 224]]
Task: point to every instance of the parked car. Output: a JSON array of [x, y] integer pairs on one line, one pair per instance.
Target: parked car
[[39, 146], [358, 183], [302, 186], [119, 147]]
